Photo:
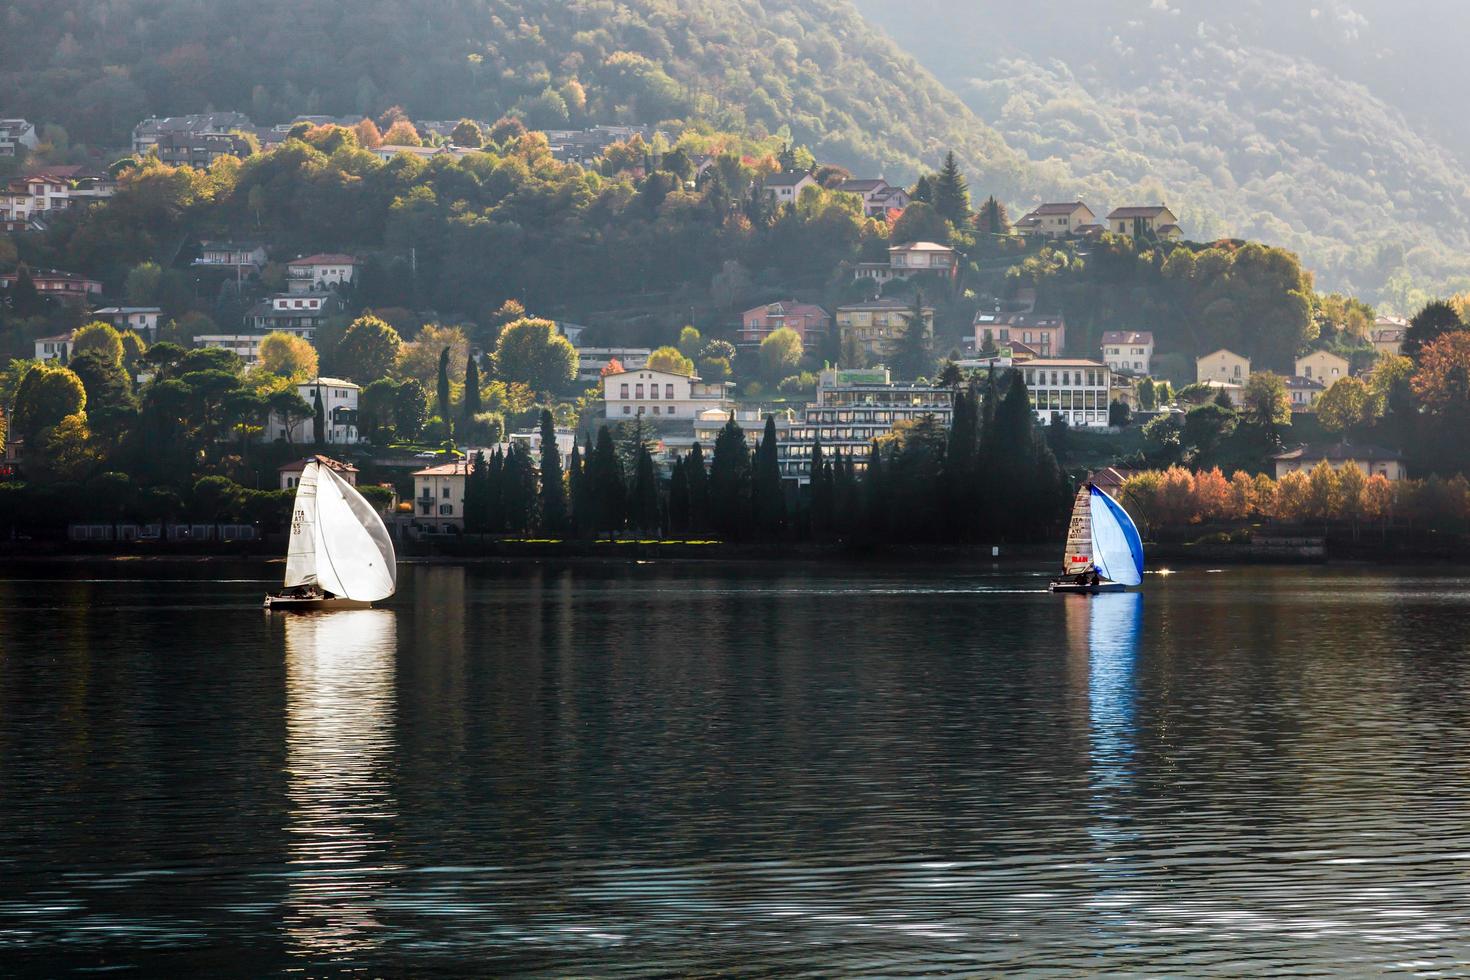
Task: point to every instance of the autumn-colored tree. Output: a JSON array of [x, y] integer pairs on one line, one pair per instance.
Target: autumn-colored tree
[[1293, 497], [368, 135], [288, 356], [402, 133], [1324, 491], [1346, 405], [1443, 379], [1211, 494], [1242, 495], [419, 359], [613, 366], [1378, 498], [1264, 498], [369, 349], [670, 361], [98, 336], [1350, 483], [1176, 496]]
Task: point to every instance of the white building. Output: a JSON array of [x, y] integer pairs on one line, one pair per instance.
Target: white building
[[290, 473], [787, 188], [1056, 220], [246, 258], [318, 273], [879, 196], [1076, 390], [299, 314], [592, 360], [245, 346], [142, 320], [438, 497], [661, 395], [52, 348], [17, 133], [1128, 351], [339, 402]]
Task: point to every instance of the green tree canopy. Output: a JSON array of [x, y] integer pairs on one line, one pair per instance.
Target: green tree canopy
[[369, 349], [534, 353]]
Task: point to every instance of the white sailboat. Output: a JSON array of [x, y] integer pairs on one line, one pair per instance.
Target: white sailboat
[[1104, 551], [340, 555]]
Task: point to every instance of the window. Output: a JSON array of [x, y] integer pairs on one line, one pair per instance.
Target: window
[[445, 494], [669, 391], [671, 410], [627, 410], [655, 410], [624, 394], [638, 391], [446, 510]]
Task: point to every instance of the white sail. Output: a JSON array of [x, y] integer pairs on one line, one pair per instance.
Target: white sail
[[1078, 558], [301, 552], [354, 555], [1117, 548]]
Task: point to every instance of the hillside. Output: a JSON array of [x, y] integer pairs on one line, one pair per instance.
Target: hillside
[[810, 65], [1293, 123]]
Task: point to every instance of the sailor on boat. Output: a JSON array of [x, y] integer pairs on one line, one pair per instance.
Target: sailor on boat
[[1104, 552]]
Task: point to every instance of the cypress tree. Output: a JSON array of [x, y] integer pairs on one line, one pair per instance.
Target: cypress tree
[[914, 356], [767, 496], [698, 480], [495, 493], [951, 193], [553, 490], [679, 498], [645, 509], [821, 491], [519, 489], [577, 484], [605, 487], [477, 495], [443, 388], [471, 405], [961, 460], [875, 496], [318, 417], [729, 482]]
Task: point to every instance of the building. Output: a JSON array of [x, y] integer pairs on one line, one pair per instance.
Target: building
[[1303, 393], [55, 282], [592, 361], [531, 439], [1056, 220], [321, 272], [1372, 460], [913, 257], [662, 395], [142, 320], [853, 408], [290, 473], [1387, 334], [298, 314], [1076, 390], [586, 146], [54, 348], [246, 258], [1323, 366], [150, 131], [1128, 351], [1044, 333], [1155, 221], [32, 199], [200, 150], [876, 326], [387, 152], [17, 135], [1222, 365], [787, 188], [339, 403], [245, 346], [810, 322], [438, 497], [879, 196]]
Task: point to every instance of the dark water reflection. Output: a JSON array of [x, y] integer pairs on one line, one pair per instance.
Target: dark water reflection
[[661, 770]]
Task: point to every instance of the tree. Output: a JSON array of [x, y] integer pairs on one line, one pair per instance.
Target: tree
[[553, 490], [698, 479], [64, 453], [47, 394], [111, 406], [605, 487], [992, 218], [318, 417], [1345, 406], [470, 403], [951, 193], [1443, 379], [467, 133], [1119, 414], [290, 408], [1205, 426], [1265, 404], [98, 336], [420, 357], [729, 482], [1432, 322], [644, 513], [780, 352], [533, 352], [402, 133], [919, 222], [690, 343], [670, 361], [518, 489], [1146, 394], [288, 356], [913, 355], [441, 391], [477, 492], [768, 500], [410, 409], [369, 349]]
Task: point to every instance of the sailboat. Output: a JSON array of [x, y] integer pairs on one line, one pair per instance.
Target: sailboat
[[340, 555], [1104, 552]]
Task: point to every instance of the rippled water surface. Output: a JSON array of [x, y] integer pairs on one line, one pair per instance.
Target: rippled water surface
[[680, 769]]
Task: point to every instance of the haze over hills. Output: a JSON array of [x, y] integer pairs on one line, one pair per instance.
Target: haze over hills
[[1327, 127]]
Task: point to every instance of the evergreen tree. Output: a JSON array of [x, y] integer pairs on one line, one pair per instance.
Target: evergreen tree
[[821, 493], [25, 299], [645, 509], [923, 190], [873, 521], [318, 418], [495, 493], [951, 193], [729, 482], [767, 496], [553, 490], [847, 502], [470, 407], [605, 487], [443, 388], [518, 489], [577, 483], [477, 495], [914, 356], [679, 498], [992, 218], [698, 478], [961, 464]]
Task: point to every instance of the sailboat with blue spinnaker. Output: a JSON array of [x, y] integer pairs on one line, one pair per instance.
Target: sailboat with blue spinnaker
[[1104, 551]]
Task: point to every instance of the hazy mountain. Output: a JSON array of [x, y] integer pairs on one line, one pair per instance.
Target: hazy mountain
[[1325, 126]]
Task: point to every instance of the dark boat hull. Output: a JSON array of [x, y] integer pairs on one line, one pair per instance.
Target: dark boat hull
[[291, 603], [1072, 588]]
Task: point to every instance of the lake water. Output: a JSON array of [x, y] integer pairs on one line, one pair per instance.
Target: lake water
[[638, 769]]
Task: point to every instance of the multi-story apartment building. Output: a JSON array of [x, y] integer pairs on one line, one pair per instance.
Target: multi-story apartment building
[[592, 361], [298, 314], [56, 283], [319, 273], [200, 150], [1128, 351], [877, 326], [1075, 390], [1044, 333], [662, 395], [150, 131], [810, 321]]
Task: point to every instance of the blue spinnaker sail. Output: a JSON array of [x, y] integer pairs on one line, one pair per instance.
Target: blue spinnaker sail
[[1117, 550]]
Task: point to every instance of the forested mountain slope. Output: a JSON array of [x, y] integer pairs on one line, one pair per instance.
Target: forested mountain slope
[[97, 66], [1323, 126]]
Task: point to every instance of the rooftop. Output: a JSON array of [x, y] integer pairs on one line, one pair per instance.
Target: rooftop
[[457, 468], [1304, 384], [1127, 337], [297, 465], [1339, 452], [920, 247], [862, 185], [328, 382], [1148, 211], [325, 258], [786, 180], [1058, 208]]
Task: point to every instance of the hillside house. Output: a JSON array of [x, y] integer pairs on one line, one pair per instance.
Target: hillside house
[[1153, 221], [1323, 366], [290, 473], [662, 395], [339, 403], [1387, 334], [1372, 460], [1303, 393], [17, 135], [200, 150], [879, 196], [810, 321], [57, 347], [245, 346], [1056, 220], [592, 361], [294, 313], [147, 133], [877, 326], [912, 257], [438, 497], [142, 320], [321, 272], [244, 258], [1222, 365], [1074, 390], [56, 283], [1044, 333], [1128, 351], [787, 188]]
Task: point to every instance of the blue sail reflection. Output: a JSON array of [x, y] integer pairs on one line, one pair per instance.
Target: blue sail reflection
[[1112, 696], [340, 711]]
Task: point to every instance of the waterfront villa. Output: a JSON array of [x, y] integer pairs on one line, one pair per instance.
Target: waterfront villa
[[1372, 460]]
